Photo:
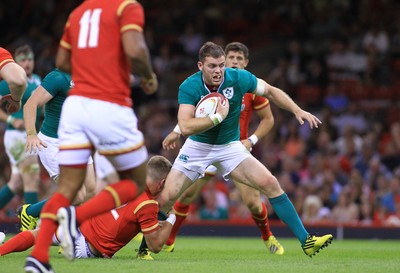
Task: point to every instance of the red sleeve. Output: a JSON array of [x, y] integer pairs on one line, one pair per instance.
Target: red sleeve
[[131, 16], [5, 57], [146, 213], [65, 41], [260, 103]]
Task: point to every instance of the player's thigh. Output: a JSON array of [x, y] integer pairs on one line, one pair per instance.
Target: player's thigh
[[191, 193], [175, 184], [14, 144], [253, 173]]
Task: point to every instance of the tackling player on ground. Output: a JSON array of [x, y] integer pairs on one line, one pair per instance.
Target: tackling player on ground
[[105, 234]]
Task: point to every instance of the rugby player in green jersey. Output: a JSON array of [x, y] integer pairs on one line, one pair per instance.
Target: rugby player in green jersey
[[51, 94], [215, 139]]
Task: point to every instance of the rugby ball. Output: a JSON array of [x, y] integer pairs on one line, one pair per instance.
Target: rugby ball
[[208, 105]]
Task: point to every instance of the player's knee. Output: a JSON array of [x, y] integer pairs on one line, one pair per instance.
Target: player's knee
[[31, 169], [270, 185]]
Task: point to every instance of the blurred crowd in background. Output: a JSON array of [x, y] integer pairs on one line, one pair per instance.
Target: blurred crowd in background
[[339, 59]]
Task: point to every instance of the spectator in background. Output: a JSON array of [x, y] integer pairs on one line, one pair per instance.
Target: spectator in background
[[335, 99], [315, 73], [376, 39], [313, 210], [215, 205], [345, 211], [191, 40]]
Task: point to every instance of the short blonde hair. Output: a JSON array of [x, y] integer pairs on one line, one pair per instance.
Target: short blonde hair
[[158, 167]]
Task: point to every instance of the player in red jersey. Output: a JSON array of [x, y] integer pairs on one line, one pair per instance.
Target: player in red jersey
[[102, 43], [16, 78], [105, 234], [237, 56]]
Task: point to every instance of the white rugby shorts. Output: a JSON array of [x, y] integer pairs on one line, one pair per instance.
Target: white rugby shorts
[[194, 158], [109, 128], [49, 156]]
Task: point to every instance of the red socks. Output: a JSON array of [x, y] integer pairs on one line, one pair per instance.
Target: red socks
[[48, 226], [20, 242], [181, 212], [262, 223], [110, 198]]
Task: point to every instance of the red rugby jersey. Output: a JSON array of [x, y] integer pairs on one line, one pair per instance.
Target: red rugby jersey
[[5, 57], [111, 231], [250, 102], [100, 68]]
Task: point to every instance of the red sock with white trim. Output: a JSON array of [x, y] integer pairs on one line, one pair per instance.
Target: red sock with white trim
[[262, 222]]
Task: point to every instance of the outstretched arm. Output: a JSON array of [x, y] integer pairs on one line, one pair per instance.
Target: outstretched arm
[[282, 100]]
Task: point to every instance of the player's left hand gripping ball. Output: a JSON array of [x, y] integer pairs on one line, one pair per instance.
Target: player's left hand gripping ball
[[9, 104], [150, 86]]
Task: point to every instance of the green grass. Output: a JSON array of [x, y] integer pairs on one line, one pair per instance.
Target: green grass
[[210, 255]]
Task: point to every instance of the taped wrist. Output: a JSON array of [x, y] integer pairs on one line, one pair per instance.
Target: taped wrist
[[171, 219], [253, 139], [10, 120], [177, 129], [216, 118]]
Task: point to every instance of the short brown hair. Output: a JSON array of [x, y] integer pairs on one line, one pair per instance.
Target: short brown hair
[[209, 49], [158, 167], [238, 47], [24, 49]]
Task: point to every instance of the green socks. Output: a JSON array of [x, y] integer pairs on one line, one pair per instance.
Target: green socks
[[5, 196], [284, 208]]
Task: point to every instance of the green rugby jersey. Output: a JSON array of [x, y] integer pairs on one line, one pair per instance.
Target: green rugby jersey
[[236, 83], [32, 84], [57, 83]]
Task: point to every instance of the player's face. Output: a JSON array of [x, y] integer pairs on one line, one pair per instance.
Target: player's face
[[213, 70], [26, 62], [236, 59]]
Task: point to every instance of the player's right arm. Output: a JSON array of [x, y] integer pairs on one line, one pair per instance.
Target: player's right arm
[[155, 240], [190, 125], [39, 98]]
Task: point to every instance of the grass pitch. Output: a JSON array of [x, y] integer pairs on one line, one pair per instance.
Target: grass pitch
[[214, 255]]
